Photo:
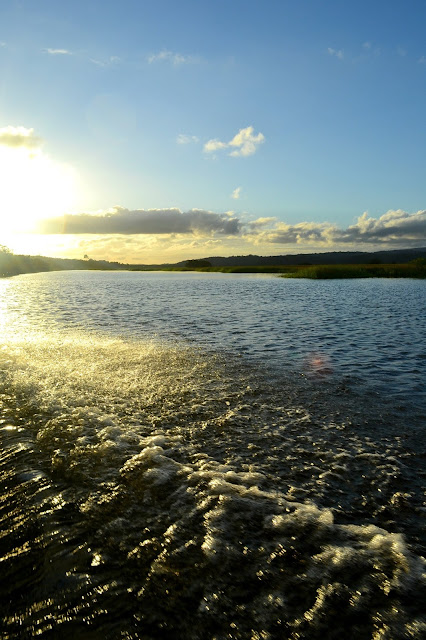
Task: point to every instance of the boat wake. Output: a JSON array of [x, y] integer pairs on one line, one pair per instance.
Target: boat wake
[[152, 491]]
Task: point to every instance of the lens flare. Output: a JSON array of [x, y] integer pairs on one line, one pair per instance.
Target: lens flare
[[318, 365]]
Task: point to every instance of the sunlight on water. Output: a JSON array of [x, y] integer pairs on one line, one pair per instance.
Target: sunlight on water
[[4, 285], [153, 490]]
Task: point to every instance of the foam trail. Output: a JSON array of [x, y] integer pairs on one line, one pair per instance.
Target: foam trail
[[153, 491]]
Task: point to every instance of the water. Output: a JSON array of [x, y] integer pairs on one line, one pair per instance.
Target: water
[[210, 456]]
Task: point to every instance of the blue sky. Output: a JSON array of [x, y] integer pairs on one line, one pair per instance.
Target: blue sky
[[168, 130]]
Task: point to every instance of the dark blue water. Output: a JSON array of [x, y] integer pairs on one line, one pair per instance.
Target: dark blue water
[[361, 328]]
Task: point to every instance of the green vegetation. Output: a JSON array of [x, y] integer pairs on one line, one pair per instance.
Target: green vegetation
[[234, 269], [11, 265], [195, 264], [414, 269]]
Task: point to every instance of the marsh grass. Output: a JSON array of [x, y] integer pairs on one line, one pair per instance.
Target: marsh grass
[[238, 269], [413, 269]]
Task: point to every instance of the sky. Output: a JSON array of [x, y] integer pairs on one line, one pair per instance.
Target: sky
[[153, 131]]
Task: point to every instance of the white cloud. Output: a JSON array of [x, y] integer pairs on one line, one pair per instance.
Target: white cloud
[[182, 138], [393, 226], [58, 52], [214, 145], [338, 53], [289, 234], [401, 52], [261, 222], [422, 60], [236, 193], [19, 137], [169, 56], [393, 229], [366, 45], [245, 143]]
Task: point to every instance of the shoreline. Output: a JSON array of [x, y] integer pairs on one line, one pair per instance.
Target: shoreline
[[311, 272], [335, 271]]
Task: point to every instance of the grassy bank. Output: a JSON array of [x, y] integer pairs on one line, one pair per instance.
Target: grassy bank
[[235, 269], [11, 265], [415, 269]]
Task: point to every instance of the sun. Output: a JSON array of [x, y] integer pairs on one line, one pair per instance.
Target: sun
[[33, 187]]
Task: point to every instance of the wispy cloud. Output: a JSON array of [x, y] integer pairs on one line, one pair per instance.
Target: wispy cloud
[[58, 52], [144, 221], [108, 62], [11, 136], [236, 193], [175, 59], [367, 51], [183, 138], [244, 143], [100, 62], [371, 50], [338, 53]]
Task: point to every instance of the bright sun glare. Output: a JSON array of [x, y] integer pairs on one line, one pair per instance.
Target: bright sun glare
[[33, 187]]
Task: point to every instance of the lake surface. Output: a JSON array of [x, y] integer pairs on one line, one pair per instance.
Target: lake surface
[[211, 456]]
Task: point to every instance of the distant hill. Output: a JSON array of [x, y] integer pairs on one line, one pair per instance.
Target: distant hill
[[332, 257], [11, 264]]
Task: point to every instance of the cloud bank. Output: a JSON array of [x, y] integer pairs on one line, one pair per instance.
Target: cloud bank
[[141, 221], [244, 143], [396, 228], [19, 137]]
